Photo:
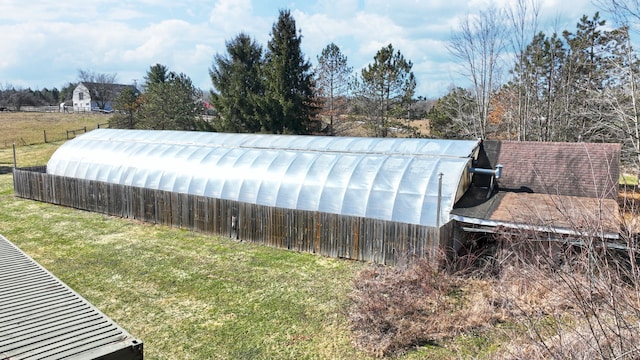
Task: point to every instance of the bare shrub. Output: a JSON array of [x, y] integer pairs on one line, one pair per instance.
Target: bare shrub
[[568, 301], [579, 304], [396, 308], [574, 294]]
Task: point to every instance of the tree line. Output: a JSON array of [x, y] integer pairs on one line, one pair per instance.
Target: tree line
[[573, 85], [16, 97], [525, 84], [275, 89]]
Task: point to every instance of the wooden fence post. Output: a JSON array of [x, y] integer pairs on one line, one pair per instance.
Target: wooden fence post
[[45, 135]]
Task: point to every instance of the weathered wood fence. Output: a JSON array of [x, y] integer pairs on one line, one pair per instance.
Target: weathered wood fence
[[326, 234]]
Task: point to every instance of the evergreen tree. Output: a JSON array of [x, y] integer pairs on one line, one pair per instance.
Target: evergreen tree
[[333, 77], [66, 93], [170, 102], [449, 118], [127, 105], [565, 78], [289, 101], [238, 84], [541, 73], [157, 74], [385, 89]]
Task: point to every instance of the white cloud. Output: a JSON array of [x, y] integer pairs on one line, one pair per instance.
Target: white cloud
[[45, 43], [228, 15]]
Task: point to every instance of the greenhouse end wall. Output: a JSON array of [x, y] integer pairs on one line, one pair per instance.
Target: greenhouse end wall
[[332, 235]]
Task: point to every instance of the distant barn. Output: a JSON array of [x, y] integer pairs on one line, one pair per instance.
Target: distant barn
[[91, 96], [368, 199]]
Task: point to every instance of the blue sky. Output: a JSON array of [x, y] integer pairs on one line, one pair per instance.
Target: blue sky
[[44, 43]]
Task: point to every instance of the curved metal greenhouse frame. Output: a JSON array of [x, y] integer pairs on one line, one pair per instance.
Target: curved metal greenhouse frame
[[387, 179]]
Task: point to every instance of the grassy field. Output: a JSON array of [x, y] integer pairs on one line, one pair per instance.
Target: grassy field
[[189, 295], [28, 128]]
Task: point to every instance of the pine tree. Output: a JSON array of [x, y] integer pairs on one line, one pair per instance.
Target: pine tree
[[157, 74], [449, 118], [333, 77], [127, 104], [170, 102], [385, 87]]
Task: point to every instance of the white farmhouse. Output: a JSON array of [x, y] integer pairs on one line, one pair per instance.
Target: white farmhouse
[[90, 96]]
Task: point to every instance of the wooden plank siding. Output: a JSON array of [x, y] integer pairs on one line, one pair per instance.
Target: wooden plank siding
[[331, 235]]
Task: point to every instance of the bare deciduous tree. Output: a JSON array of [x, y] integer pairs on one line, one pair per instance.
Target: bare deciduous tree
[[480, 45], [523, 15]]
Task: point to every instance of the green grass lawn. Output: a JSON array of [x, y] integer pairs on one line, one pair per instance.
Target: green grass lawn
[[628, 179], [189, 295], [186, 295]]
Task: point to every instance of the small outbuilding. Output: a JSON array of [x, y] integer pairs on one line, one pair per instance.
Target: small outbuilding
[[561, 190]]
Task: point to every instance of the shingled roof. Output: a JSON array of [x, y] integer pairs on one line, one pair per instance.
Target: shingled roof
[[550, 187], [573, 169]]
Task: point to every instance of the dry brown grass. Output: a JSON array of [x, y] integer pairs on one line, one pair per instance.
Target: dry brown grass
[[347, 125], [27, 128], [422, 126], [526, 301], [395, 309], [585, 308]]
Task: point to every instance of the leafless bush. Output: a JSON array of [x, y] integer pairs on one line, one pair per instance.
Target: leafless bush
[[396, 308], [576, 302], [568, 299]]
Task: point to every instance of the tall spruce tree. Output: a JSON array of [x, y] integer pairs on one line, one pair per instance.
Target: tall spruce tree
[[157, 74], [289, 100], [239, 87]]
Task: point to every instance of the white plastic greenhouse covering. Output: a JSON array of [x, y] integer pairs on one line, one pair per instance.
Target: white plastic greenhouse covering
[[389, 179]]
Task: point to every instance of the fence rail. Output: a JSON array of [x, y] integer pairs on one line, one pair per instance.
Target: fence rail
[[61, 135], [55, 108], [326, 234]]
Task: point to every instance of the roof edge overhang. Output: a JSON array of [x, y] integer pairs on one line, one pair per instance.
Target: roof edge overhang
[[492, 225]]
